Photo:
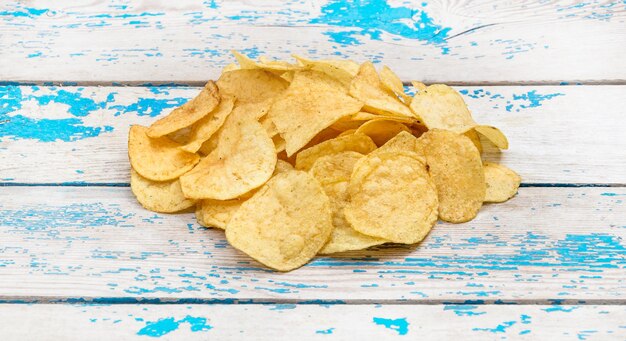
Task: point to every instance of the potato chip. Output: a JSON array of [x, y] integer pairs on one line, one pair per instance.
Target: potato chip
[[473, 135], [159, 196], [285, 223], [279, 143], [403, 141], [302, 112], [243, 160], [333, 172], [209, 124], [366, 116], [455, 166], [392, 197], [442, 107], [367, 87], [419, 86], [158, 159], [230, 67], [347, 132], [357, 142], [217, 213], [341, 70], [381, 130], [502, 182], [188, 113], [392, 82], [310, 79], [346, 123], [264, 63], [494, 135], [251, 85]]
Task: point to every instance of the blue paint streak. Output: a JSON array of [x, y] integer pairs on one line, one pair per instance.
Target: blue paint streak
[[558, 308], [325, 331], [27, 12], [463, 310], [533, 98], [167, 325], [500, 328], [400, 325], [372, 18]]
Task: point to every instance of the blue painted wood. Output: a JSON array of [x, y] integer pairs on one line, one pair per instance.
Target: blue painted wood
[[547, 245]]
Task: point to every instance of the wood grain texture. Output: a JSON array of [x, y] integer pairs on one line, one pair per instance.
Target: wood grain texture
[[558, 134], [311, 322], [547, 245], [481, 41]]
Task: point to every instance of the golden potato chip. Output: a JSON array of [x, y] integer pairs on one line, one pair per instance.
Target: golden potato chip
[[381, 130], [494, 135], [347, 132], [419, 86], [264, 63], [356, 142], [285, 223], [288, 76], [441, 107], [310, 79], [366, 116], [346, 123], [251, 85], [209, 124], [279, 143], [269, 126], [392, 82], [473, 135], [302, 112], [188, 113], [243, 160], [392, 197], [333, 172], [159, 159], [341, 70], [367, 87], [502, 182], [403, 141], [455, 166], [159, 196], [217, 213], [230, 67]]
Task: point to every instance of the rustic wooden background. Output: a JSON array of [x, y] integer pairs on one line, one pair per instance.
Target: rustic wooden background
[[550, 263]]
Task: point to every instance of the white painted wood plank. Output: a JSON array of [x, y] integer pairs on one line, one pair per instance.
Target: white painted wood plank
[[558, 134], [545, 245], [188, 41], [311, 322]]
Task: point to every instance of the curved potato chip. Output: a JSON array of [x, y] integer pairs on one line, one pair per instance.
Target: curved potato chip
[[243, 160], [442, 107], [356, 142], [392, 197], [264, 63], [403, 141], [341, 70], [333, 172], [381, 130], [158, 159], [279, 143], [285, 223], [188, 113], [347, 132], [230, 67], [346, 123], [217, 213], [367, 87], [419, 86], [392, 82], [209, 124], [310, 79], [302, 112], [494, 135], [251, 85], [159, 196], [473, 135], [502, 182], [455, 166], [366, 116]]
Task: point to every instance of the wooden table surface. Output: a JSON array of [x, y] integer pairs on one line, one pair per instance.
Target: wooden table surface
[[79, 258]]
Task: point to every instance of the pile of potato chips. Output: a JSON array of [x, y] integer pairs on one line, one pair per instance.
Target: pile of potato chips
[[317, 157]]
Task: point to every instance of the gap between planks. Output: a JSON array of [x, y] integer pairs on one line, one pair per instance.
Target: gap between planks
[[325, 302]]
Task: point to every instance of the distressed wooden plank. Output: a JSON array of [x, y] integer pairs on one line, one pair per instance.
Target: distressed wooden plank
[[436, 41], [558, 134], [546, 245], [311, 322]]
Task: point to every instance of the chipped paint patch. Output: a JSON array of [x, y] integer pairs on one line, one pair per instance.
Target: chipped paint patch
[[167, 325], [400, 325]]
